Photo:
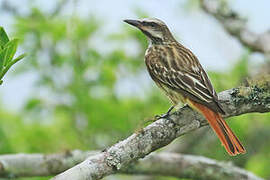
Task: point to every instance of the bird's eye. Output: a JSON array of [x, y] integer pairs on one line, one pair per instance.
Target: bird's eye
[[152, 24]]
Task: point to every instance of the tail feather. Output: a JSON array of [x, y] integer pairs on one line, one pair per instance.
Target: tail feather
[[228, 139]]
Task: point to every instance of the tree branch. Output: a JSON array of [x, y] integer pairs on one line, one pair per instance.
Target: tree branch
[[30, 165], [160, 133], [187, 166], [163, 164], [237, 26]]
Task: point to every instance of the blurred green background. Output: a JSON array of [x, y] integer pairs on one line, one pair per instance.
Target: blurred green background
[[89, 86]]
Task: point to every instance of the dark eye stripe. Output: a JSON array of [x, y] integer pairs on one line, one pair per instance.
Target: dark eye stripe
[[152, 24]]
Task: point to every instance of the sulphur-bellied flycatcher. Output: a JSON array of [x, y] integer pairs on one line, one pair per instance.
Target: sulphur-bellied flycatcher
[[177, 71]]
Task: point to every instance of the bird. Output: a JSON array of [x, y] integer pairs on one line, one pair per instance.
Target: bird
[[179, 74]]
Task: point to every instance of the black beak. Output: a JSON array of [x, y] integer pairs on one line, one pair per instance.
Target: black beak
[[135, 23]]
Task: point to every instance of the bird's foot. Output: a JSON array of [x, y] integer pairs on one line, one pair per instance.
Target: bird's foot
[[166, 115]]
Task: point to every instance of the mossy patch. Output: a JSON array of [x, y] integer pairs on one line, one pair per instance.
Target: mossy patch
[[262, 81], [258, 92]]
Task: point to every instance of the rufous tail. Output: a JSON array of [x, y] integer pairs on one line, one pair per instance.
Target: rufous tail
[[231, 143]]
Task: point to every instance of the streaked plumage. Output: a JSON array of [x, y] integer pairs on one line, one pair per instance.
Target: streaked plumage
[[169, 66], [177, 71]]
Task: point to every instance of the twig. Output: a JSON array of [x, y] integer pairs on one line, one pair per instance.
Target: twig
[[237, 26]]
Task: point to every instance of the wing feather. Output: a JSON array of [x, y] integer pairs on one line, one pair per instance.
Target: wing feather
[[182, 81], [182, 73]]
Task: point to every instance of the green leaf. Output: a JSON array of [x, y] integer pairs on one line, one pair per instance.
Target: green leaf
[[10, 49], [3, 72], [3, 37], [2, 57]]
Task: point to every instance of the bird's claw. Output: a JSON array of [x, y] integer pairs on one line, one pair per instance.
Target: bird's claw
[[157, 117], [166, 115]]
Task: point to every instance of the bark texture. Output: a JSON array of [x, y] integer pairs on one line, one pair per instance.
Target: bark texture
[[188, 166]]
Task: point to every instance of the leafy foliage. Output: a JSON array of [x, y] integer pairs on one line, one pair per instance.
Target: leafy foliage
[[8, 49]]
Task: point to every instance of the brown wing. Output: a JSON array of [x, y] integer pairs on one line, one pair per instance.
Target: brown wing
[[185, 76]]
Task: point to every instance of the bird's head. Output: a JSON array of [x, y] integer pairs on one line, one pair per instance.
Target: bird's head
[[155, 29]]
